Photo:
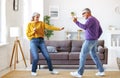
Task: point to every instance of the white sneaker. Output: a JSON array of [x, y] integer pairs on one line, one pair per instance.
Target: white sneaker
[[76, 74], [100, 74], [33, 73], [54, 72]]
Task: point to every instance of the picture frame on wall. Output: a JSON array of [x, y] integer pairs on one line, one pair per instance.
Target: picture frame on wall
[[15, 5], [54, 12]]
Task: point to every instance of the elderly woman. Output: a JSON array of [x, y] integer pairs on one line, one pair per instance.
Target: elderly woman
[[35, 33]]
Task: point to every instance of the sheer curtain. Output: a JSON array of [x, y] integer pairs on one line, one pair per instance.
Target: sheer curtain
[[3, 30]]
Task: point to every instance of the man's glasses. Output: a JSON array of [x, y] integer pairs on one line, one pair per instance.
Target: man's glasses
[[83, 13]]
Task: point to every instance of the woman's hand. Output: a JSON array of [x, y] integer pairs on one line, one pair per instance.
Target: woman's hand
[[62, 28], [34, 29]]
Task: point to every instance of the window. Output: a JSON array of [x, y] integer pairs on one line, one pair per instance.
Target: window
[[2, 21]]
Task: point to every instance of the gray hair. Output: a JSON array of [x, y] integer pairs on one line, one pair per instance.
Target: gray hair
[[34, 14], [86, 10]]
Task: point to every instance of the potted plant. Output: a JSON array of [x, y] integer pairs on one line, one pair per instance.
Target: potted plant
[[48, 33]]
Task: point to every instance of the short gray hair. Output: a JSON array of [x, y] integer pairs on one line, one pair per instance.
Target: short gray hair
[[35, 14], [86, 10]]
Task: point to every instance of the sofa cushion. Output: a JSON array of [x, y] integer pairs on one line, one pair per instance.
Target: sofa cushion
[[54, 56], [61, 46], [101, 43], [76, 45], [101, 56], [51, 49], [74, 55]]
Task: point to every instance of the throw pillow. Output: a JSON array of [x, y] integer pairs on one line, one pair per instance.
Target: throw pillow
[[51, 49], [100, 49]]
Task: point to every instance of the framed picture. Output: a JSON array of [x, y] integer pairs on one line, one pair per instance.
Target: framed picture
[[117, 9], [54, 12], [15, 5]]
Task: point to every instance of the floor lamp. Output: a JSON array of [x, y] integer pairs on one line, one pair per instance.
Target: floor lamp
[[15, 32]]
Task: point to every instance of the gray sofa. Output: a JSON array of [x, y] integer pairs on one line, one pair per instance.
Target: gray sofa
[[67, 52]]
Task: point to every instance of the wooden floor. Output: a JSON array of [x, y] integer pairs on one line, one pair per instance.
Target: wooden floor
[[21, 66], [62, 74]]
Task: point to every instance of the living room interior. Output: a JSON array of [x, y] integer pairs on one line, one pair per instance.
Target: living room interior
[[18, 14]]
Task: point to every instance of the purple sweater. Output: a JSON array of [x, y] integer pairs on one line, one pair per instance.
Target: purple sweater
[[92, 28]]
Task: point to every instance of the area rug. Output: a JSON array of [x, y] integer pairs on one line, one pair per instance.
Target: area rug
[[62, 74]]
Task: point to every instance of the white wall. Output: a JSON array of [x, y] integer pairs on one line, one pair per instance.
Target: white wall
[[16, 19], [13, 18], [4, 56], [30, 7], [104, 10]]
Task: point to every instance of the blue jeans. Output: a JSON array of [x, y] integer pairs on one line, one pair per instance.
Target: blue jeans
[[35, 44], [89, 46]]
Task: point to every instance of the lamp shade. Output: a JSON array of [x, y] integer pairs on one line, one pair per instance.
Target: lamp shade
[[14, 31]]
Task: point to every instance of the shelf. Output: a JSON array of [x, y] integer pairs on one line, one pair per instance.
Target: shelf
[[113, 39], [114, 31], [74, 35]]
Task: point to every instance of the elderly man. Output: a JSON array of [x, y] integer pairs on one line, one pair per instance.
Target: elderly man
[[92, 32]]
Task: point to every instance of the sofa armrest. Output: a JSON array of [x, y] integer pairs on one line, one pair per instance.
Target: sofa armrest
[[106, 55]]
